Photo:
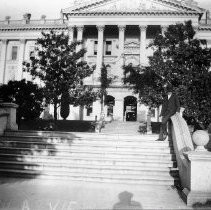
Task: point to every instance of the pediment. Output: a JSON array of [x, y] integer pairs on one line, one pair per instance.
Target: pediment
[[133, 5]]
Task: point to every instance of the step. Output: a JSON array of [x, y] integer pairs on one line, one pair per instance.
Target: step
[[89, 160], [103, 165], [57, 140], [127, 179], [72, 152], [72, 135], [102, 142], [105, 170], [87, 147]]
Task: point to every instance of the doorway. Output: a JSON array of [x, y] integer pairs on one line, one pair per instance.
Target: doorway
[[130, 108]]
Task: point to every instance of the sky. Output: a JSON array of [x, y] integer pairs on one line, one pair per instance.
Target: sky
[[50, 8]]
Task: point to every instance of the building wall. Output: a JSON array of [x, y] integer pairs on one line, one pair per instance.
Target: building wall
[[127, 39]]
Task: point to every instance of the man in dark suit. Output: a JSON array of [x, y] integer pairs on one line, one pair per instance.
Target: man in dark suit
[[170, 106]]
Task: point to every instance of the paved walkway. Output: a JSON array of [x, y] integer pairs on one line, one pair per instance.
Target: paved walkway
[[20, 194]]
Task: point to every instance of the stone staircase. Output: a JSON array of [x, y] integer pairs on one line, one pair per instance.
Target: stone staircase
[[112, 158]]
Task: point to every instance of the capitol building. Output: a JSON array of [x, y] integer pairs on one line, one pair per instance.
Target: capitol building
[[114, 32]]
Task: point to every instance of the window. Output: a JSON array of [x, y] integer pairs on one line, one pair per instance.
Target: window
[[14, 52], [31, 53], [108, 48], [89, 110], [95, 47]]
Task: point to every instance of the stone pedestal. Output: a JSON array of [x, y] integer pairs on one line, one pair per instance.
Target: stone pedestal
[[10, 110], [200, 177]]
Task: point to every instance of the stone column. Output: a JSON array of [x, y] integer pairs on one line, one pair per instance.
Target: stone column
[[121, 48], [143, 29], [71, 33], [164, 29], [19, 74], [80, 30], [121, 39], [3, 57], [100, 29]]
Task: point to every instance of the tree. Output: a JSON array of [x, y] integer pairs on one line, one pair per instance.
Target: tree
[[105, 81], [26, 95], [183, 61], [59, 66], [65, 105]]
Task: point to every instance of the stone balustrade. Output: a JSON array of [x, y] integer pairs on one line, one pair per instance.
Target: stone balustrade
[[193, 160]]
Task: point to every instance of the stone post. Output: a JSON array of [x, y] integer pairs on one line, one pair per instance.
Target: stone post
[[143, 29], [7, 20], [9, 110], [100, 29], [3, 60], [43, 19], [19, 74]]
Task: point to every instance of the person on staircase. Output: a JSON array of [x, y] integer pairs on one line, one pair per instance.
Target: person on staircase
[[170, 106]]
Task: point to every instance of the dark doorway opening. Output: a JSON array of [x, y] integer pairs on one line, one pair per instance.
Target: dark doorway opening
[[110, 102], [130, 108]]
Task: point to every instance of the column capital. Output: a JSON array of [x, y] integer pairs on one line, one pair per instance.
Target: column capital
[[80, 28], [100, 27], [143, 27], [122, 27], [164, 27]]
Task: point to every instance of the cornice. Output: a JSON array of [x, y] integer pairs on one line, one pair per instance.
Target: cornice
[[32, 28], [132, 13], [205, 28]]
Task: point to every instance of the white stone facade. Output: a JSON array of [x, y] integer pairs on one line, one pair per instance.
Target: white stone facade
[[114, 32]]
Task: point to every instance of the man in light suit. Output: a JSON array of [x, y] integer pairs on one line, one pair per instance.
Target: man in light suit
[[170, 106]]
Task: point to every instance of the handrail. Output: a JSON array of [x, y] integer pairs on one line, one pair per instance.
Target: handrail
[[182, 142]]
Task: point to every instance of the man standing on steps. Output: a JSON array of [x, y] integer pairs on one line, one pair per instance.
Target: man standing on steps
[[170, 106]]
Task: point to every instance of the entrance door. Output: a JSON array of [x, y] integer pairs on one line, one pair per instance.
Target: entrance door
[[110, 102], [130, 108]]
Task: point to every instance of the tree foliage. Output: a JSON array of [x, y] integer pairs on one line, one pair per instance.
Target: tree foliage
[[183, 61], [26, 95], [59, 66]]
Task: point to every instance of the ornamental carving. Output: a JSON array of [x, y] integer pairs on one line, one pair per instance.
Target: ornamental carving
[[132, 47]]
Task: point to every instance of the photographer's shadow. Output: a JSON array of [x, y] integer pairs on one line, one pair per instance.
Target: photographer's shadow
[[126, 202]]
